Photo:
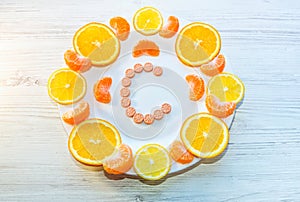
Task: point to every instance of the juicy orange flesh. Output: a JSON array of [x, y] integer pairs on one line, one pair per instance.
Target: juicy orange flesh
[[96, 43], [152, 161], [225, 88], [205, 135], [148, 20], [201, 40], [66, 86], [94, 141]]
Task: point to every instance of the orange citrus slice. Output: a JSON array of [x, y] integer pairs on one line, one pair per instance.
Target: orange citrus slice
[[152, 162], [204, 135], [147, 21], [97, 42], [227, 87], [66, 86], [197, 43], [93, 140]]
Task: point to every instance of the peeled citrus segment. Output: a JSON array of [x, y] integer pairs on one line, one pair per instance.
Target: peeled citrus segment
[[101, 90], [204, 135], [145, 47], [197, 44], [121, 26], [97, 42], [196, 86], [120, 162], [152, 162], [93, 140], [78, 114], [147, 21], [179, 153], [66, 86], [76, 62], [214, 67], [227, 87], [218, 108], [171, 27]]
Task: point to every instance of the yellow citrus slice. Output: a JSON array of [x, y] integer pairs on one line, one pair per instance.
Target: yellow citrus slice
[[197, 43], [97, 42], [147, 21], [227, 87], [152, 162], [93, 140], [204, 135], [66, 86]]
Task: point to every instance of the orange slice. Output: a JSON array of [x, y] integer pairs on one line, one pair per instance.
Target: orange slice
[[66, 86], [120, 162], [93, 141], [101, 90], [180, 154], [218, 108], [204, 135], [97, 42], [145, 47], [214, 67], [196, 87], [121, 26], [147, 21], [77, 115], [171, 27], [197, 44]]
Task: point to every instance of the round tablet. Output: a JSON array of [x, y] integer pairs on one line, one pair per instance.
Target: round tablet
[[158, 114], [130, 111], [148, 67], [166, 108], [157, 71], [138, 68], [126, 82], [125, 92], [149, 119], [129, 73], [138, 118], [125, 102]]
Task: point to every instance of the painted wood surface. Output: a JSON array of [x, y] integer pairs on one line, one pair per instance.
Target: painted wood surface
[[261, 39]]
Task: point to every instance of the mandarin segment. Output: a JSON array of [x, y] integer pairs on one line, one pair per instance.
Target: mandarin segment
[[76, 62], [214, 67], [101, 90], [171, 27], [121, 26], [78, 114], [196, 85], [145, 47], [218, 108]]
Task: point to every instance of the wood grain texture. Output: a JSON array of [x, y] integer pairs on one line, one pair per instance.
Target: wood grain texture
[[261, 39]]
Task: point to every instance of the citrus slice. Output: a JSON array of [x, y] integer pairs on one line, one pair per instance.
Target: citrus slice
[[179, 153], [214, 67], [78, 114], [66, 86], [147, 21], [227, 87], [97, 42], [93, 140], [197, 43], [218, 108], [204, 135], [152, 162], [197, 88]]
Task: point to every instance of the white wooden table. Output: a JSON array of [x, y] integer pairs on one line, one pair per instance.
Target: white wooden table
[[260, 37]]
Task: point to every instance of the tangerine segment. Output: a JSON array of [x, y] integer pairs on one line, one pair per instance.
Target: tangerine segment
[[97, 42], [147, 21], [214, 67], [121, 26], [152, 162], [196, 86], [204, 135], [227, 87], [171, 28], [197, 43], [77, 115], [66, 86], [101, 90], [120, 162], [93, 141], [145, 47], [180, 154], [218, 108], [77, 63]]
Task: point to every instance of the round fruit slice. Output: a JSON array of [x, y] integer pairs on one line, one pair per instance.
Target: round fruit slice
[[97, 42], [93, 140], [120, 162], [196, 86], [66, 86], [171, 28], [179, 153], [227, 87], [214, 67], [152, 162], [218, 108], [197, 44], [204, 135], [121, 26], [147, 21], [77, 115]]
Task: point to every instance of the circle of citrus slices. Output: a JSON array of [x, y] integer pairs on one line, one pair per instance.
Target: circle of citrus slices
[[204, 135], [152, 162], [227, 87], [66, 86], [93, 140], [197, 43], [147, 21], [97, 42]]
